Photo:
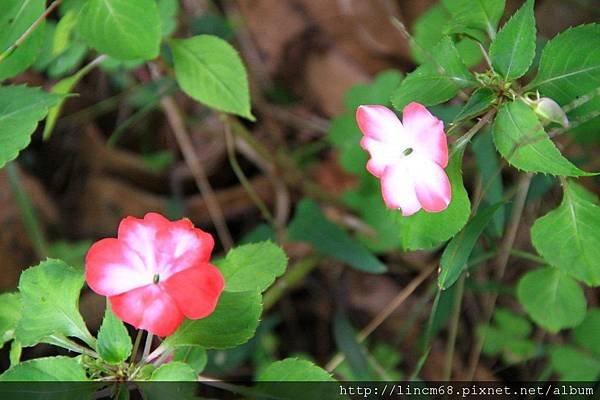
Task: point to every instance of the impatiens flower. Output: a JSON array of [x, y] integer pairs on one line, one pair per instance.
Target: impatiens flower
[[409, 157], [155, 272]]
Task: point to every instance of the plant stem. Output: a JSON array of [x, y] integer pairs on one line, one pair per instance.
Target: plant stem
[[384, 314], [136, 346], [290, 280], [29, 30], [66, 343], [502, 260], [187, 149], [453, 331], [466, 138], [527, 256], [428, 335], [147, 345], [28, 213]]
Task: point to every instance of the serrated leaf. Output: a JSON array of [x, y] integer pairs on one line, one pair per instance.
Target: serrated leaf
[[482, 15], [568, 237], [513, 50], [252, 267], [586, 333], [21, 108], [114, 343], [574, 365], [311, 226], [47, 310], [435, 81], [10, 313], [16, 16], [294, 369], [479, 102], [457, 252], [209, 70], [195, 356], [552, 299], [570, 64], [46, 369], [174, 371], [233, 322], [425, 230], [521, 139], [123, 29]]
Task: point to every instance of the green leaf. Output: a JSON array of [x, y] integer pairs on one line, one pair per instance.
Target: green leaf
[[513, 349], [295, 370], [345, 339], [210, 71], [311, 226], [431, 27], [425, 230], [16, 16], [513, 50], [10, 313], [233, 322], [50, 296], [511, 323], [62, 34], [552, 299], [174, 371], [21, 108], [574, 365], [570, 64], [252, 267], [457, 252], [479, 102], [168, 16], [520, 138], [195, 356], [46, 369], [436, 81], [586, 333], [15, 352], [568, 237], [114, 343], [123, 29], [481, 15]]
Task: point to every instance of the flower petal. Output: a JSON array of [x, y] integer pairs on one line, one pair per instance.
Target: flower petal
[[140, 235], [379, 123], [149, 308], [112, 268], [381, 153], [398, 190], [196, 290], [432, 185], [427, 133]]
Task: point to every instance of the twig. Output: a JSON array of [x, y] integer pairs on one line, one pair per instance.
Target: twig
[[502, 260], [187, 149], [29, 31], [384, 314]]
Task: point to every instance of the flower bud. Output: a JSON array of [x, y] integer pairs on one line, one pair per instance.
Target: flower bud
[[549, 111]]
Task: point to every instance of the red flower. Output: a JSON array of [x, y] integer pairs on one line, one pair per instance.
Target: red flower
[[156, 272]]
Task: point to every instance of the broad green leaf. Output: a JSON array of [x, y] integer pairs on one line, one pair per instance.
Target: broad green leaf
[[479, 102], [311, 226], [345, 339], [520, 138], [570, 64], [435, 81], [233, 322], [568, 237], [574, 365], [294, 369], [457, 252], [552, 299], [479, 15], [16, 16], [168, 16], [123, 29], [511, 323], [376, 92], [62, 34], [430, 28], [498, 341], [252, 267], [195, 356], [586, 333], [46, 369], [114, 343], [425, 230], [63, 87], [491, 177], [174, 371], [210, 71], [513, 50], [10, 312], [48, 310], [21, 108]]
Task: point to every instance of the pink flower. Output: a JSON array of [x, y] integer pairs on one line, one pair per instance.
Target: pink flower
[[409, 157], [156, 272]]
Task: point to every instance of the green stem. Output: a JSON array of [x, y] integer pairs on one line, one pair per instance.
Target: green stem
[[453, 331], [136, 346], [147, 345], [527, 256], [29, 31], [466, 138], [290, 280], [28, 213], [65, 343]]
